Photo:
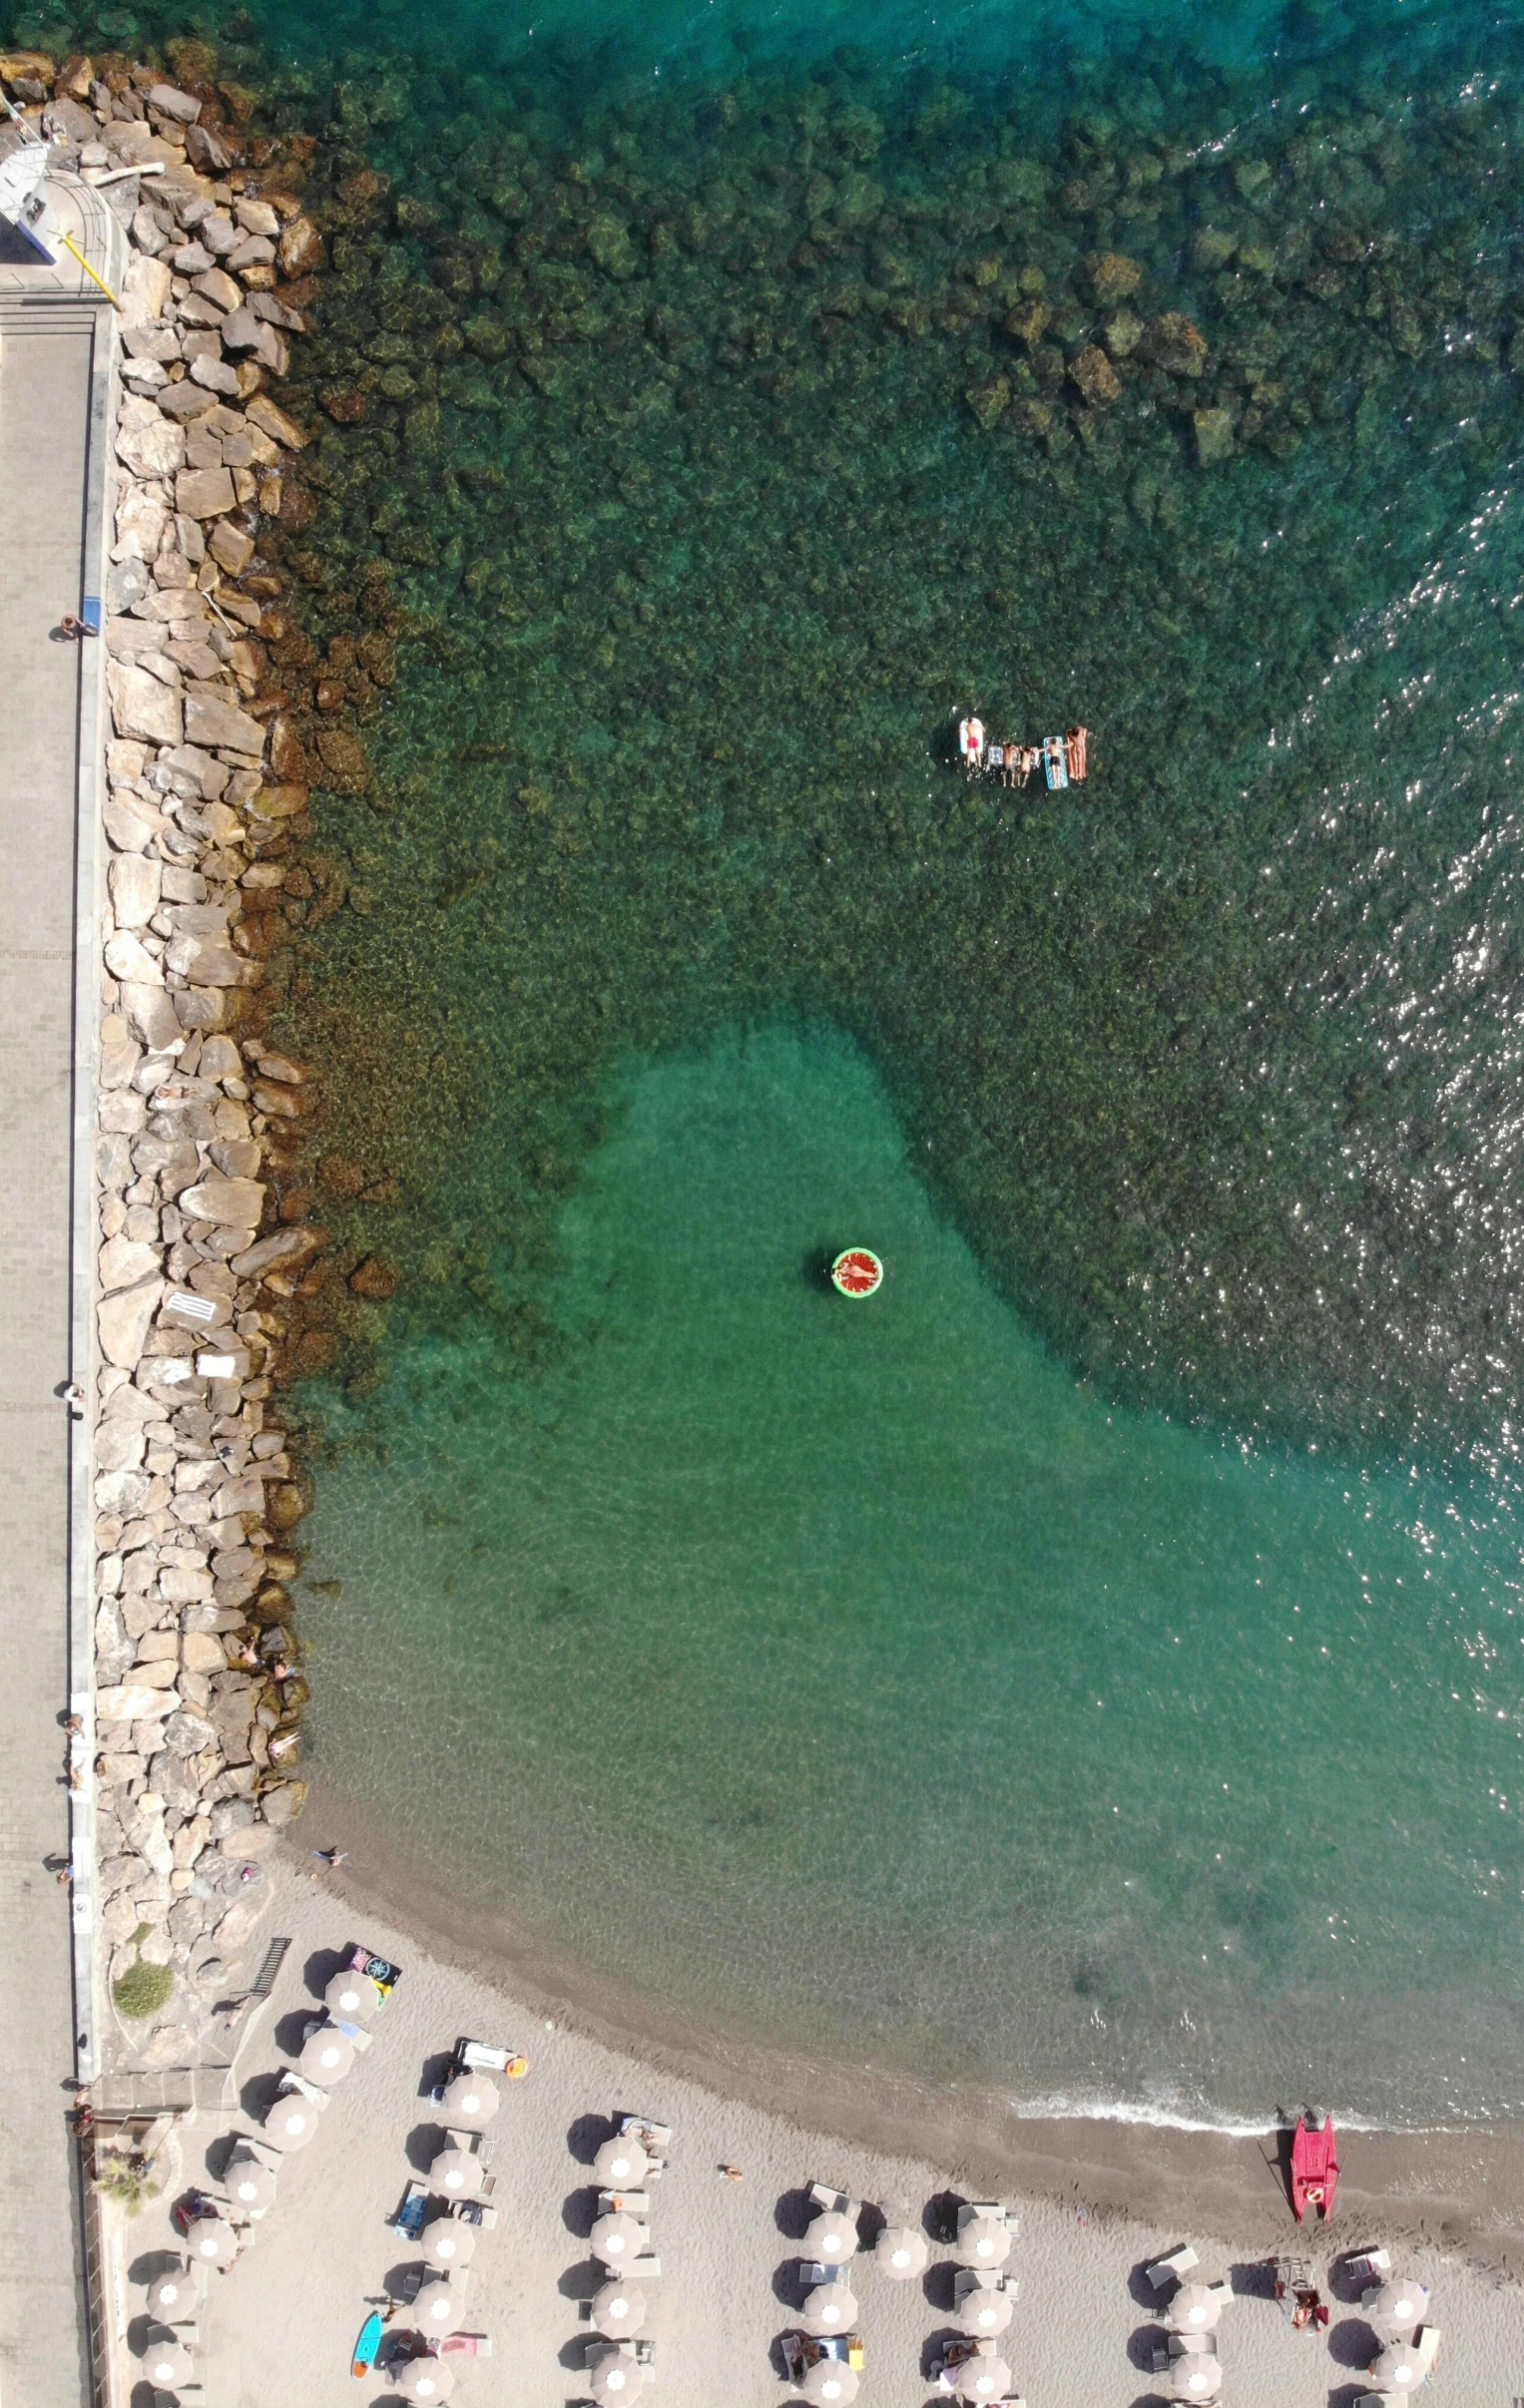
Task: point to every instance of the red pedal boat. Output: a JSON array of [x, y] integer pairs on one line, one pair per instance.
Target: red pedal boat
[[1315, 2168]]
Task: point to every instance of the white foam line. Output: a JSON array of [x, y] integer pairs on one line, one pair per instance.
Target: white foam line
[[1062, 2109]]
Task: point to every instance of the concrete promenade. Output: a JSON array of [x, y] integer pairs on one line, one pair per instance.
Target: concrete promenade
[[54, 391]]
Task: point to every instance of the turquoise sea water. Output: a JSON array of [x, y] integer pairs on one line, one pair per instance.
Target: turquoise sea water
[[1091, 1669]]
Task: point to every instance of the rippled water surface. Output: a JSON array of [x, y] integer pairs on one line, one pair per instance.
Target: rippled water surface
[[1091, 1667]]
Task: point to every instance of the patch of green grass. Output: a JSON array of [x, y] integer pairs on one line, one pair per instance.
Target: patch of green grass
[[143, 1991]]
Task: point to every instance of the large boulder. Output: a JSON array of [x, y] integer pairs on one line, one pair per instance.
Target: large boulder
[[142, 706]]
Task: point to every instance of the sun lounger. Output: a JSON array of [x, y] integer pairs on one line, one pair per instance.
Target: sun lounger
[[972, 2209], [291, 2081], [462, 2345], [472, 2211], [1426, 2342], [644, 2268], [836, 2202], [646, 2128], [624, 2202], [976, 2278], [409, 2219], [473, 2142], [1173, 2268]]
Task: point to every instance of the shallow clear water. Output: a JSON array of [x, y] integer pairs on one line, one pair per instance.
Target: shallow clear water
[[964, 1657]]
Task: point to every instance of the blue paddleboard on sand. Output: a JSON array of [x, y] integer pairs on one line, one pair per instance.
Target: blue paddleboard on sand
[[366, 2346]]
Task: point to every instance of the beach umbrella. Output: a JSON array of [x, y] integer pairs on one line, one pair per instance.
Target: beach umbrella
[[830, 2308], [249, 2185], [1400, 2367], [984, 2241], [985, 2312], [290, 2120], [1195, 2309], [447, 2242], [1197, 2377], [616, 2238], [456, 2173], [615, 2377], [1397, 2306], [438, 2308], [175, 2294], [213, 2242], [618, 2310], [327, 2057], [832, 2238], [352, 1997], [900, 2253], [471, 2100], [621, 2163], [985, 2377], [425, 2379], [166, 2360], [829, 2383]]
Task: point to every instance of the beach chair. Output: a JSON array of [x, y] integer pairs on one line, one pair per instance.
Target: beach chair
[[834, 2202], [1426, 2342], [624, 2202], [655, 2138], [1173, 2268], [474, 2211], [1366, 2265], [974, 2278], [644, 2268], [462, 2345], [410, 2216]]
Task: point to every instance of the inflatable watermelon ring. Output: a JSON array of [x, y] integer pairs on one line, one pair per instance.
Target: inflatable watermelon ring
[[857, 1271]]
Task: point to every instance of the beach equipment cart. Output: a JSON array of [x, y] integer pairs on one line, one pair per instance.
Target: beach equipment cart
[[471, 2100], [984, 2235], [1396, 2308], [352, 1998], [480, 2056], [425, 2380], [617, 2310], [447, 2242], [622, 2163], [326, 2056], [617, 2238], [900, 2253], [830, 2306]]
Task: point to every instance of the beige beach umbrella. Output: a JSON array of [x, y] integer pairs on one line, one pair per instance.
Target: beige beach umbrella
[[985, 2313], [984, 2241], [830, 2308], [249, 2185], [424, 2379], [213, 2242], [290, 2120], [900, 2253], [619, 2309], [1197, 2377], [1400, 2367], [352, 1997], [456, 2173], [621, 2163], [985, 2377], [166, 2360], [829, 2383], [616, 2238], [176, 2294], [471, 2101], [437, 2305], [447, 2242], [1195, 2309], [327, 2057], [832, 2238], [1397, 2306], [615, 2377]]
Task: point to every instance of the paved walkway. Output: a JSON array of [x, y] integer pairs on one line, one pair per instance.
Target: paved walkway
[[52, 397]]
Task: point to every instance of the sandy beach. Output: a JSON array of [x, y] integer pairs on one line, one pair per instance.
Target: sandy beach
[[280, 2323]]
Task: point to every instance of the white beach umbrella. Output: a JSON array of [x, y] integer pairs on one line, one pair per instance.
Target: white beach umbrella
[[424, 2379], [985, 2313], [832, 2238], [327, 2057], [984, 2241], [616, 2238], [615, 2377], [176, 2294], [1198, 2376], [447, 2242], [1397, 2306], [1400, 2367], [290, 2120], [437, 2305], [456, 2173], [900, 2253], [829, 2383], [212, 2242], [621, 2163], [985, 2377], [352, 1997], [249, 2185], [619, 2309], [830, 2308], [1195, 2309], [166, 2360], [472, 2101]]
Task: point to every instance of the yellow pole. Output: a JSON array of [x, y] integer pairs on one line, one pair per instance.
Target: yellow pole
[[70, 244]]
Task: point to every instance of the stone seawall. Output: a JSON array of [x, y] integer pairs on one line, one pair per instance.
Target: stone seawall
[[198, 1695]]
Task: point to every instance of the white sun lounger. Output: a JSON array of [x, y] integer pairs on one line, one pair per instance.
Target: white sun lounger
[[624, 2202], [1364, 2264], [836, 2202], [1173, 2268]]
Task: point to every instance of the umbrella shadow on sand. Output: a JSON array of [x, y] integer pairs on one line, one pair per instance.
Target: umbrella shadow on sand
[[1139, 2288], [793, 2212], [1351, 2342], [935, 2348], [436, 2072], [939, 2283], [321, 1966], [258, 2095], [587, 2135], [291, 2032], [1142, 2343], [788, 2285], [579, 2211], [423, 2144], [219, 2152], [582, 2281], [153, 2264]]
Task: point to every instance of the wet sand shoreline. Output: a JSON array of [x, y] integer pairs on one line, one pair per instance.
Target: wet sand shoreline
[[1460, 2188]]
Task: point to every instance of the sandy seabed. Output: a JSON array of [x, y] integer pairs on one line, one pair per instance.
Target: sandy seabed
[[1096, 2201]]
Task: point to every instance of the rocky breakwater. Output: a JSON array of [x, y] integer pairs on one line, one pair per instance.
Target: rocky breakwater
[[199, 1695]]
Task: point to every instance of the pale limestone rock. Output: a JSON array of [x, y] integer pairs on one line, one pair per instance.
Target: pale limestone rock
[[145, 291], [215, 724], [140, 521], [128, 959], [151, 1015], [134, 1701], [152, 447], [134, 882], [132, 821], [119, 1447], [123, 1322], [142, 706]]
